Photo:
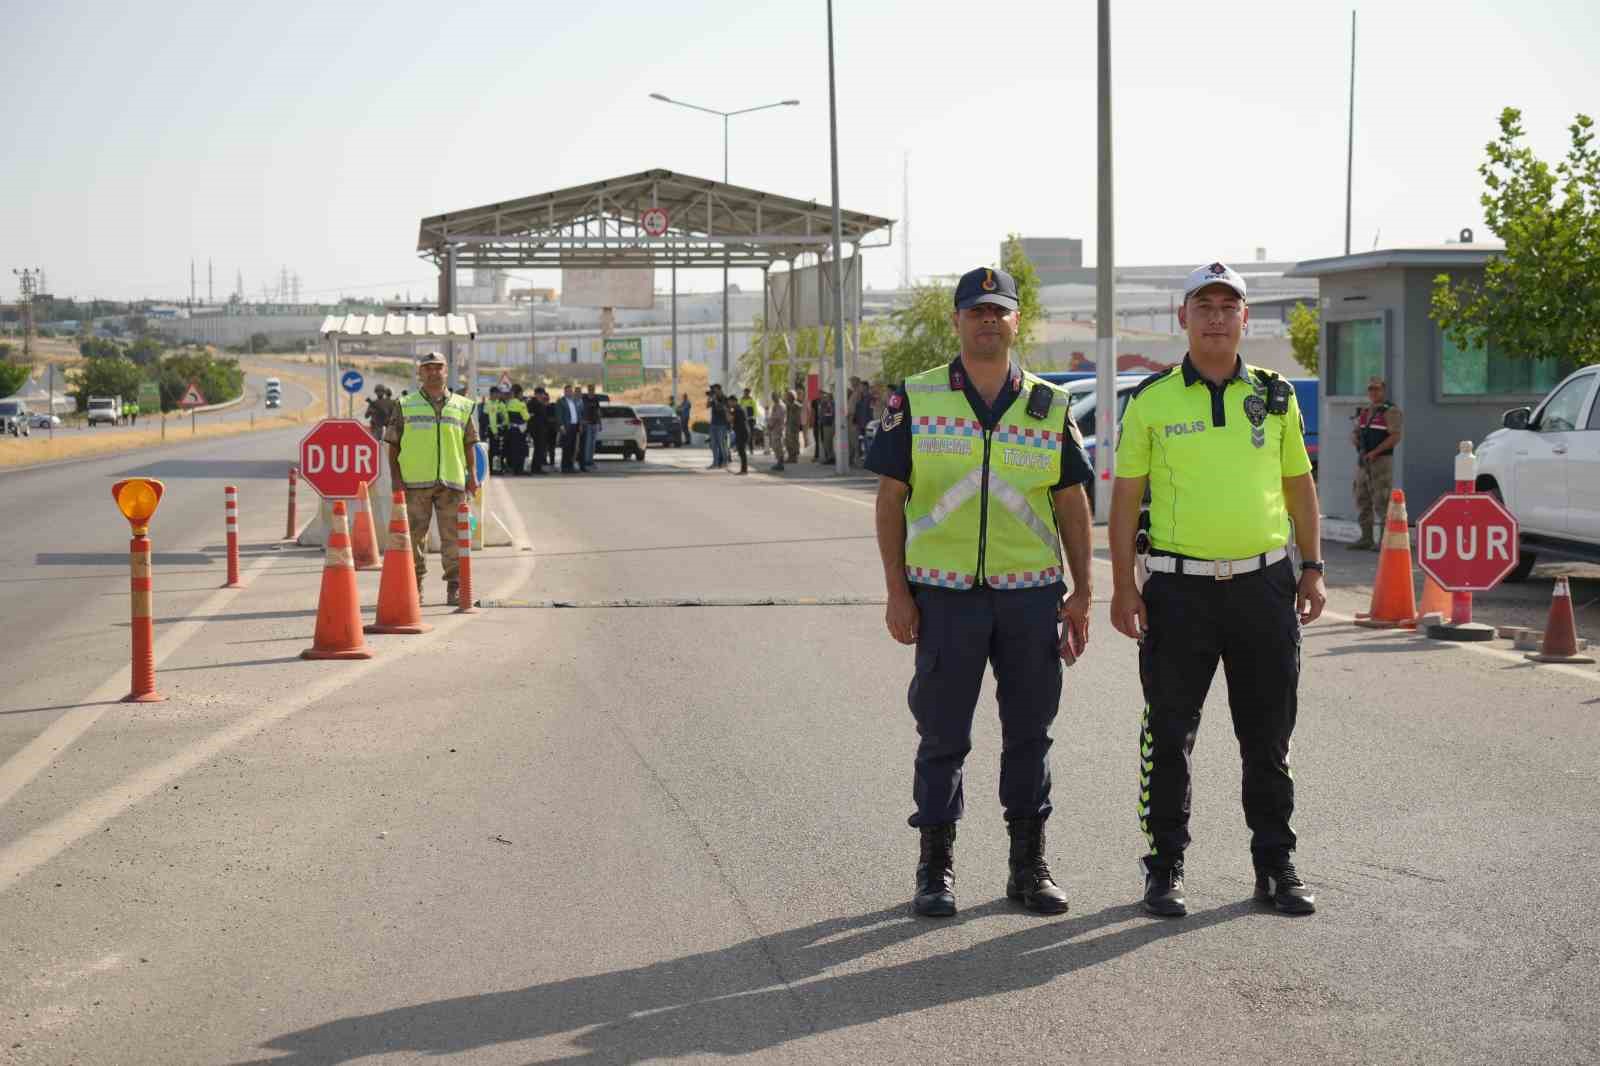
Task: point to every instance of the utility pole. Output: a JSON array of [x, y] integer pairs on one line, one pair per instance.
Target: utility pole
[[1350, 146], [191, 283], [841, 413], [27, 279], [1105, 325], [905, 225], [211, 283]]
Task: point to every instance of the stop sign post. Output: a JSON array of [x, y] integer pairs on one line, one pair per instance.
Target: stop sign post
[[337, 456]]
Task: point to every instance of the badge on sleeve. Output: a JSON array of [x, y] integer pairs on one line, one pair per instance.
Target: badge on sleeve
[[892, 421], [1255, 409]]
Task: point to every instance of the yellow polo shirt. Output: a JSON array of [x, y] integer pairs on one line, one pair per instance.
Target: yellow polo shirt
[[1216, 474]]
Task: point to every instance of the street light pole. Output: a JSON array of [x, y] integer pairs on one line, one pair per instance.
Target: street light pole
[[841, 416], [726, 115], [1105, 422]]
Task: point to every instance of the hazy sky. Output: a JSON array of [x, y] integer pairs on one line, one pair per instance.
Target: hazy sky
[[316, 136]]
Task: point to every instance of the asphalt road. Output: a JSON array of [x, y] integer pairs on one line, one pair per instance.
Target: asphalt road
[[627, 834]]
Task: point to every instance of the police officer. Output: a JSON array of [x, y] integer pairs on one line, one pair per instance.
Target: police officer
[[981, 476], [1375, 435], [1221, 447], [430, 453], [514, 433]]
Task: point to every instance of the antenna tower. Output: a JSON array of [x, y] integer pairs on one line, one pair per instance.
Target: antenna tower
[[27, 279], [905, 226]]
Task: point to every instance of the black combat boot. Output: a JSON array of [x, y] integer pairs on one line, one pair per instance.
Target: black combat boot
[[936, 875], [1163, 889], [1030, 881], [452, 594], [1279, 885]]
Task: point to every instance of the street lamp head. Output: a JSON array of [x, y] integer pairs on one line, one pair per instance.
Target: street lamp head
[[658, 96], [790, 103]]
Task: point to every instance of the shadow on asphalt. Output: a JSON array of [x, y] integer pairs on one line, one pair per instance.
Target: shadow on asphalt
[[242, 616], [701, 547], [236, 662], [1397, 647], [219, 469], [63, 707], [715, 1004]]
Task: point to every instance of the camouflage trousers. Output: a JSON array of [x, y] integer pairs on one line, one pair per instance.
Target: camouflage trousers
[[421, 507], [791, 445], [1373, 484]]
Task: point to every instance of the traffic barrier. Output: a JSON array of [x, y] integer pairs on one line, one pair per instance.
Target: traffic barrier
[[338, 634], [1394, 596], [137, 498], [363, 536], [290, 532], [1560, 644], [464, 604], [399, 605], [230, 511]]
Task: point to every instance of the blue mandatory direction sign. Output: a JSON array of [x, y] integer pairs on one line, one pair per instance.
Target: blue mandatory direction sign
[[352, 381]]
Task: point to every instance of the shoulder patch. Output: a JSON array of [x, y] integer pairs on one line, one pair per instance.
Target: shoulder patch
[[1147, 382]]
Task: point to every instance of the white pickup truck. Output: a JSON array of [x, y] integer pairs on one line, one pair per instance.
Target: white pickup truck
[[104, 409], [1544, 465]]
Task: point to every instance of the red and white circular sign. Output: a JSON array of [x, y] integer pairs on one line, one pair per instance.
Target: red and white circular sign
[[654, 221]]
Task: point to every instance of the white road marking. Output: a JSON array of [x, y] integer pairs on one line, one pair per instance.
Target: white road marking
[[60, 735], [30, 852]]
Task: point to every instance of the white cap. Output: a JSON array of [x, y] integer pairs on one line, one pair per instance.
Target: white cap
[[1214, 274]]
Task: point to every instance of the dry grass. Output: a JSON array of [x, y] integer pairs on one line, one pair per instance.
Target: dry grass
[[78, 444]]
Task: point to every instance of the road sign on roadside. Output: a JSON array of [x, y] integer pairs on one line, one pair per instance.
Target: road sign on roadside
[[654, 221], [1467, 542], [505, 381], [336, 456], [352, 381], [149, 397], [192, 397]]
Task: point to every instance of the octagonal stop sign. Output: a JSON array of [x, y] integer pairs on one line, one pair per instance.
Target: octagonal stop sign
[[1467, 542], [337, 456]]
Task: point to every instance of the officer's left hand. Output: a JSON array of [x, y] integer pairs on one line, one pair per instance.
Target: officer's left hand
[[472, 486], [1310, 597], [1074, 611]]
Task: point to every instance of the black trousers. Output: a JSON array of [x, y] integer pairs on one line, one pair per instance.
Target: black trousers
[[513, 448], [535, 442], [569, 447], [1249, 624], [743, 446], [961, 634]]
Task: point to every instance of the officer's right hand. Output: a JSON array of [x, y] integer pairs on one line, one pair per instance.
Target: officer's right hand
[[1128, 613], [902, 617]]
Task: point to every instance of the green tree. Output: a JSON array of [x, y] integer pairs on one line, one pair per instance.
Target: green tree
[[108, 376], [219, 380], [146, 351], [1014, 261], [1305, 332], [13, 372], [924, 337], [1541, 297], [99, 348]]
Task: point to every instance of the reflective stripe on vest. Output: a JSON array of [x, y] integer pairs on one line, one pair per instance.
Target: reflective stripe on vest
[[433, 447], [980, 509]]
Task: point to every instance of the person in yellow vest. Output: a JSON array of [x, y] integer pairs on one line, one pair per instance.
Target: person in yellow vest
[[1235, 569], [430, 454], [980, 480]]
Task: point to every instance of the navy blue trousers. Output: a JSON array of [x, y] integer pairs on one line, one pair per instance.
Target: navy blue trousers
[[961, 634]]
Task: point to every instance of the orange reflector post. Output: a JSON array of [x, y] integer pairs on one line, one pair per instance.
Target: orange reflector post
[[137, 499]]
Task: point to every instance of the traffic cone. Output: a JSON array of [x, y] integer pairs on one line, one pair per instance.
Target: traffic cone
[[1435, 600], [1560, 644], [399, 605], [364, 536], [1394, 596], [338, 633]]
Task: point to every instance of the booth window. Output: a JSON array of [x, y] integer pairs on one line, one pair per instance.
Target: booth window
[[1355, 348], [1488, 371]]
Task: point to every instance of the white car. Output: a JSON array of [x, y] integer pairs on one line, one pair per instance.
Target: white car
[[43, 421], [1544, 465], [621, 431]]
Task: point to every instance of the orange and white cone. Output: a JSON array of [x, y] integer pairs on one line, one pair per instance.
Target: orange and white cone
[[338, 633], [364, 537], [399, 605], [1560, 643], [1394, 593], [464, 595], [1435, 600]]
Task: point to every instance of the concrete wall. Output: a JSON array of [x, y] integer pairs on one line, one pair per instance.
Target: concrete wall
[[223, 330]]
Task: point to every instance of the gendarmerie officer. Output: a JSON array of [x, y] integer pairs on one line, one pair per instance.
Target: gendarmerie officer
[[1376, 434], [981, 480], [1222, 448]]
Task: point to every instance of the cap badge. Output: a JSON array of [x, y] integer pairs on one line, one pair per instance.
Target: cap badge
[[988, 280], [1217, 268]]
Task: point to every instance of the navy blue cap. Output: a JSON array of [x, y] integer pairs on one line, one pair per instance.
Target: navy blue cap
[[986, 286]]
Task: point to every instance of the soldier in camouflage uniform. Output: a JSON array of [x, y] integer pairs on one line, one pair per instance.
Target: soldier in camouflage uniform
[[1375, 435]]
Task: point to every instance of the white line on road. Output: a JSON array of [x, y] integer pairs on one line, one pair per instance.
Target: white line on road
[[45, 843], [60, 735]]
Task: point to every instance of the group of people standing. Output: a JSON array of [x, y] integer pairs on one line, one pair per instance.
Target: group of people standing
[[524, 429]]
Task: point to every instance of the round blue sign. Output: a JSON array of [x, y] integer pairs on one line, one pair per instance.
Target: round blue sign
[[480, 454], [352, 380]]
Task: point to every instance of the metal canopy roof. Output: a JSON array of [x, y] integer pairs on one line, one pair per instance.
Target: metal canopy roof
[[417, 326], [710, 224]]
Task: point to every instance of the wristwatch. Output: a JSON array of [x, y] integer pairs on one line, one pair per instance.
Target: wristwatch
[[1313, 564]]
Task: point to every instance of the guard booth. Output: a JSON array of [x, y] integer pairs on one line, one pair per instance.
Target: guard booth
[[1376, 320], [413, 334]]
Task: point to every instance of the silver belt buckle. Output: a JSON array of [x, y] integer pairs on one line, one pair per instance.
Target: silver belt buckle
[[1222, 569]]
